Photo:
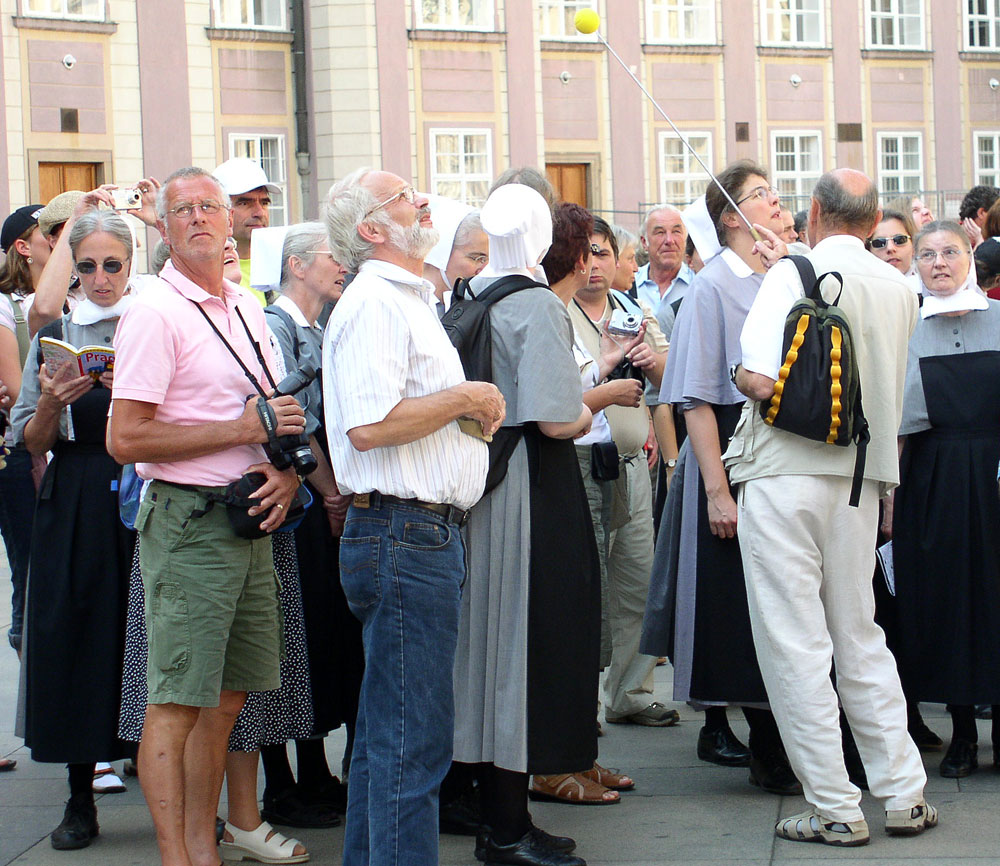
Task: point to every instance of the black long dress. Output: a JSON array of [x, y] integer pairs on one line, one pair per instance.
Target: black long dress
[[946, 524], [78, 579]]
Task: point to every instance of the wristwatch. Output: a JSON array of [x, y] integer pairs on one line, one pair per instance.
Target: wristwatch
[[732, 372], [671, 463]]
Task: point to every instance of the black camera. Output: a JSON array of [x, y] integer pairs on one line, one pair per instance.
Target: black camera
[[627, 370], [285, 451]]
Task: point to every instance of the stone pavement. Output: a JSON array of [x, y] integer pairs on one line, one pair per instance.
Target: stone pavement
[[682, 811]]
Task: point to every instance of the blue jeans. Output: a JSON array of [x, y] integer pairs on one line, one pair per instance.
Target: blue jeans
[[402, 569], [17, 514]]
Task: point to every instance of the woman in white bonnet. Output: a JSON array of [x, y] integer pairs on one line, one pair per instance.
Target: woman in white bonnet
[[526, 667], [462, 250]]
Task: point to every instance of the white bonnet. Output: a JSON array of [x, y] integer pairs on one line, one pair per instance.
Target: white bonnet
[[446, 214], [519, 223]]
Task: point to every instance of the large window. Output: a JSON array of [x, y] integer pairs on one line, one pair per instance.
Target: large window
[[90, 10], [250, 13], [555, 18], [680, 21], [900, 162], [982, 24], [682, 179], [462, 164], [988, 158], [792, 22], [455, 14], [797, 163], [896, 23], [269, 151]]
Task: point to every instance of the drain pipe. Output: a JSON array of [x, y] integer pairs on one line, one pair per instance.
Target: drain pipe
[[300, 86]]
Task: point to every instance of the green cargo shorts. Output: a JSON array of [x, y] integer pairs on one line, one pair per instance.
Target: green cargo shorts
[[213, 618]]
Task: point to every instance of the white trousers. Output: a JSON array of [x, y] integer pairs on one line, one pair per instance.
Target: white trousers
[[808, 558]]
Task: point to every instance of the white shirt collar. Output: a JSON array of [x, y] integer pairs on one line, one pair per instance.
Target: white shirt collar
[[290, 307], [840, 240], [739, 267], [396, 274]]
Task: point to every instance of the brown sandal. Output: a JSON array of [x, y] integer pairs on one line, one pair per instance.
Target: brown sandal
[[610, 779], [576, 789]]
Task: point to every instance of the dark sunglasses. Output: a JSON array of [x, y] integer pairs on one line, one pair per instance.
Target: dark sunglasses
[[881, 243], [110, 266]]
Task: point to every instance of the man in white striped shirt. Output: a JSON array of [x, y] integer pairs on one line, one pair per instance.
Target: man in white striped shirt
[[394, 391]]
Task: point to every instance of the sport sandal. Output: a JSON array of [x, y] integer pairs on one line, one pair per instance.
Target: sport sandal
[[910, 822], [258, 845], [572, 788], [811, 827]]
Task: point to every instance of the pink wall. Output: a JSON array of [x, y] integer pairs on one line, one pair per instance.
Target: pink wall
[[163, 87], [898, 94], [570, 109], [4, 188], [686, 91], [52, 86], [393, 89], [739, 38], [454, 81], [947, 84], [790, 104], [984, 103], [522, 120], [847, 103], [627, 169], [252, 82]]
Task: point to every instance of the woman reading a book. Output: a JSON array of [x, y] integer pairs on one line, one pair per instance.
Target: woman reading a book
[[80, 551]]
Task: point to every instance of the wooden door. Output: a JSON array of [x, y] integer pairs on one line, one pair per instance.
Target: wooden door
[[569, 180], [57, 177]]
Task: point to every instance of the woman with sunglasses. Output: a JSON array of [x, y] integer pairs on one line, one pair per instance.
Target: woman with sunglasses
[[892, 241], [697, 607], [80, 550], [946, 549]]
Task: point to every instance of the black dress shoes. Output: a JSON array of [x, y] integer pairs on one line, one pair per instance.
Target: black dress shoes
[[79, 824], [960, 760], [557, 843], [721, 747], [772, 773], [529, 850], [461, 816]]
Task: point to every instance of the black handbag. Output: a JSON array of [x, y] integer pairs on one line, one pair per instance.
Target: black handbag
[[604, 464]]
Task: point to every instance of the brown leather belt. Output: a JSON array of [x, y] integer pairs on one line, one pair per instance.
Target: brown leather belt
[[450, 513]]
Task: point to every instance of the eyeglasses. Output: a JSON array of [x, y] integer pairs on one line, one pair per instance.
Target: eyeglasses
[[109, 266], [950, 254], [184, 211], [407, 192], [478, 258], [882, 243], [760, 192]]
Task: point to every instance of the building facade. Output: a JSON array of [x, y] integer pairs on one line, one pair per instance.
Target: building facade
[[451, 92]]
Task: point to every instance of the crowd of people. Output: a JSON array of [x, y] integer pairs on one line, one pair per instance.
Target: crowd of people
[[263, 493]]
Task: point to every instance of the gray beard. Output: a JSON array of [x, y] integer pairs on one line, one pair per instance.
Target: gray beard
[[414, 242]]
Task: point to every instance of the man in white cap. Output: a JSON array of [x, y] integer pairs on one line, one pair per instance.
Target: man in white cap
[[246, 184]]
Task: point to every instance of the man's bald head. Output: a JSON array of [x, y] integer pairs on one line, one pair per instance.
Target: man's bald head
[[845, 201]]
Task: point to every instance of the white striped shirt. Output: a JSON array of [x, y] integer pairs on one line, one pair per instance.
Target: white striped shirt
[[384, 343]]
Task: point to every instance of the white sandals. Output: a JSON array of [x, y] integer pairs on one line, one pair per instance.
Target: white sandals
[[255, 845], [810, 827]]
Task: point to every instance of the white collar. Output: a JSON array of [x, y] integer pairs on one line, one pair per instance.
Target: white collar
[[968, 297], [290, 307], [739, 267], [396, 274], [88, 313]]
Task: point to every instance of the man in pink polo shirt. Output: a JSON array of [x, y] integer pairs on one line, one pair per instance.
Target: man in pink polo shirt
[[181, 413]]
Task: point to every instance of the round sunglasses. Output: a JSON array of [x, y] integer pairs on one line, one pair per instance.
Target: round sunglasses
[[110, 266]]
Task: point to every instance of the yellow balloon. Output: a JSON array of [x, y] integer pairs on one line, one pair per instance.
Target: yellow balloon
[[587, 21]]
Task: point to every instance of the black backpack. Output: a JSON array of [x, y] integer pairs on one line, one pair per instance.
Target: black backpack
[[467, 324], [818, 392]]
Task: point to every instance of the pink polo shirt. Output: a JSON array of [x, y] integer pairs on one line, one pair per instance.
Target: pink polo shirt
[[167, 354]]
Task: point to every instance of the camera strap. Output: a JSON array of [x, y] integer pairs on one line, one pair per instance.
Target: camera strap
[[235, 354]]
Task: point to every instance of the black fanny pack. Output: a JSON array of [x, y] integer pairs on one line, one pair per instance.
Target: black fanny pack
[[604, 461], [236, 498]]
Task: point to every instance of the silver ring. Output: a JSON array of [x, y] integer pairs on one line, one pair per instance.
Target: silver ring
[[279, 506]]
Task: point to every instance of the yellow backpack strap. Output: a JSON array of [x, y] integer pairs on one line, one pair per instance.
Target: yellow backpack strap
[[836, 389], [790, 358]]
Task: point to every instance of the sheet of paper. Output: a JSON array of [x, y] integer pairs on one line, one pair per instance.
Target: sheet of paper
[[884, 555]]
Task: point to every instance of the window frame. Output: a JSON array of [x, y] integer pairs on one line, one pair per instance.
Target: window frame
[[689, 177], [488, 13], [435, 176], [707, 9], [102, 13], [895, 15], [880, 138], [991, 19], [220, 22], [575, 35], [798, 176], [993, 178], [280, 137], [767, 13]]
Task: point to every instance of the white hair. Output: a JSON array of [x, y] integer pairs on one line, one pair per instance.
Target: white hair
[[180, 174], [300, 241]]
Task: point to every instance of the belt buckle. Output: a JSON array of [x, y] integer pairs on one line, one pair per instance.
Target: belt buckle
[[456, 515], [362, 500]]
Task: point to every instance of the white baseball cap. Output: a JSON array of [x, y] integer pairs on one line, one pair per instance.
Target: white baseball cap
[[239, 175]]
